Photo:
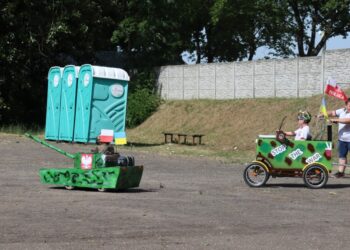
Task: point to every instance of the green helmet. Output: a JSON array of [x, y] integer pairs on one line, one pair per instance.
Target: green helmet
[[305, 116]]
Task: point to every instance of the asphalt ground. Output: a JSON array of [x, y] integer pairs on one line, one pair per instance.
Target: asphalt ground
[[182, 203]]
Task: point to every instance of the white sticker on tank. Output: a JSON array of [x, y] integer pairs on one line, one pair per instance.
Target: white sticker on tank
[[117, 90], [56, 79], [70, 80], [86, 79]]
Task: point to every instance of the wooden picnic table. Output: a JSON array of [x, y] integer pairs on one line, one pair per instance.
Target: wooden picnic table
[[182, 138]]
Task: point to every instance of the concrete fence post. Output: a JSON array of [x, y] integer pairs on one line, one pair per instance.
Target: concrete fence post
[[274, 78], [297, 76], [167, 82], [234, 81], [215, 68], [183, 82], [198, 75], [323, 62], [254, 79]]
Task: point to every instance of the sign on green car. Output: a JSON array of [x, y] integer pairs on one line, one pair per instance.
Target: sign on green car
[[294, 154]]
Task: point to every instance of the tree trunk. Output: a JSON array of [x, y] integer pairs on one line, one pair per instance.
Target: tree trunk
[[198, 46], [209, 49], [300, 28]]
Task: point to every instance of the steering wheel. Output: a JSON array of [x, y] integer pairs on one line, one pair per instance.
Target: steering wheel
[[280, 136]]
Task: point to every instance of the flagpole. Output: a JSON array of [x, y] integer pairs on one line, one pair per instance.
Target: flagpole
[[323, 61]]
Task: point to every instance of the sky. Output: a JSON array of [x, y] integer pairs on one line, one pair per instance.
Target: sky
[[337, 42]]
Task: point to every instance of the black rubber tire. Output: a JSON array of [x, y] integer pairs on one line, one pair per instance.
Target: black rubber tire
[[315, 176], [257, 170]]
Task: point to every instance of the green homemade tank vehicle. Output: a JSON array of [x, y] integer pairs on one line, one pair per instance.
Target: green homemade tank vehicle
[[277, 156], [98, 170]]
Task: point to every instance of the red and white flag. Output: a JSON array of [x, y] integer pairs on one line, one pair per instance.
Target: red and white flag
[[106, 135], [332, 89]]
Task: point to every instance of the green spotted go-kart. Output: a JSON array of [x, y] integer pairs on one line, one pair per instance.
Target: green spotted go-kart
[[277, 156]]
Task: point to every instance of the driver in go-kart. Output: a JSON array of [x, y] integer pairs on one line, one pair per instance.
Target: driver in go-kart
[[303, 131]]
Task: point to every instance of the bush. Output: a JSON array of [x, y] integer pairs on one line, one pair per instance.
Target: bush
[[141, 104], [143, 100]]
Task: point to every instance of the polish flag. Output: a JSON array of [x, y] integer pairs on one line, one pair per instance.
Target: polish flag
[[332, 89], [106, 135]]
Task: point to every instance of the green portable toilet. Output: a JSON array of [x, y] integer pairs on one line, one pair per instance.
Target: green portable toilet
[[101, 102], [53, 103], [68, 97]]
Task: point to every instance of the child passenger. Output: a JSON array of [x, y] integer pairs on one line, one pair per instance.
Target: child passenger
[[303, 131]]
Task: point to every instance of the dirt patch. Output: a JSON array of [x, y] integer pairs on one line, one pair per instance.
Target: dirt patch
[[182, 203]]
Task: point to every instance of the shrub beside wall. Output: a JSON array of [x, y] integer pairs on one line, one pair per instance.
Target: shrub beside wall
[[143, 100]]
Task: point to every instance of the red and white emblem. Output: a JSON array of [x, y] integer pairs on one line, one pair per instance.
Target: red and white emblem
[[86, 161]]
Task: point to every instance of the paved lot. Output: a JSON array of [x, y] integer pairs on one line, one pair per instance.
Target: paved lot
[[182, 203]]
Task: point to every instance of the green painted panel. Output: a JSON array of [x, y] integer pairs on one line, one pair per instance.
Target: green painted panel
[[294, 154], [95, 178], [129, 177], [111, 177]]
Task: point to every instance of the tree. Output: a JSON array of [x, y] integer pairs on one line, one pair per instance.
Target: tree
[[306, 18], [38, 35], [148, 34], [252, 24]]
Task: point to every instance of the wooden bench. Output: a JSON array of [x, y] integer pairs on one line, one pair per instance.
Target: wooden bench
[[181, 138], [199, 137], [168, 135]]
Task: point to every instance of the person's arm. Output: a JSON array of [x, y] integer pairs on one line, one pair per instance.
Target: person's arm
[[332, 113], [290, 133], [336, 119], [340, 120]]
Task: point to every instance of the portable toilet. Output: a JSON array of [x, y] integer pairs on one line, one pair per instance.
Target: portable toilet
[[68, 100], [53, 103], [101, 102]]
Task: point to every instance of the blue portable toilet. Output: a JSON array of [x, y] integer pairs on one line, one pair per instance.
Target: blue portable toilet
[[68, 100], [101, 102], [53, 103]]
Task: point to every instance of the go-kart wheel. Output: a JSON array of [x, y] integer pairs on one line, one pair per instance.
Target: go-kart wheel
[[101, 189], [255, 175], [69, 187], [315, 176]]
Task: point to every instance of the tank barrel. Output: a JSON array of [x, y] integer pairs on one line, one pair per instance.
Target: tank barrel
[[72, 156]]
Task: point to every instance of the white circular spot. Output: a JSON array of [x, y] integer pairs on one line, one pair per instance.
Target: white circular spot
[[56, 80], [117, 90], [70, 80], [86, 79]]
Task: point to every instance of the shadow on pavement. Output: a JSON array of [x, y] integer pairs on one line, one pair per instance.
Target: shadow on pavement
[[132, 190], [295, 185], [139, 144]]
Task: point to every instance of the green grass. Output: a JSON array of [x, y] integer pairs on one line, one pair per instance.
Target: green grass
[[230, 126]]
